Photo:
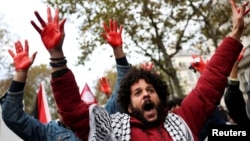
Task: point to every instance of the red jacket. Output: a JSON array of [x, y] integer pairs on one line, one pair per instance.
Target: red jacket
[[195, 110]]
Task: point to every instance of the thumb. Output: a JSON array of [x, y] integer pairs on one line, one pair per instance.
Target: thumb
[[33, 57], [61, 24], [11, 53], [104, 35]]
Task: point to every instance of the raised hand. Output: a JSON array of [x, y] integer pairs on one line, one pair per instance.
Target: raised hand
[[147, 66], [242, 9], [198, 63], [238, 19], [241, 54], [112, 35], [52, 32], [104, 86], [22, 61]]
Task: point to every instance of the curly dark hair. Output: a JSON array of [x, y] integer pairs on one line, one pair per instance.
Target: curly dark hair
[[132, 77]]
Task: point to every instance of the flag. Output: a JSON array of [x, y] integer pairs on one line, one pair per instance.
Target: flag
[[41, 111], [87, 96], [5, 133]]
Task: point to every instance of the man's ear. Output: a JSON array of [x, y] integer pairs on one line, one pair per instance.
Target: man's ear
[[129, 108]]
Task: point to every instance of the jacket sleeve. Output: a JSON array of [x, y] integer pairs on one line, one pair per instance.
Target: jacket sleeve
[[235, 103], [201, 102], [23, 125], [74, 111], [112, 105]]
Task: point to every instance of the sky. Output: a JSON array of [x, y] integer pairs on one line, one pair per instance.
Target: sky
[[17, 16]]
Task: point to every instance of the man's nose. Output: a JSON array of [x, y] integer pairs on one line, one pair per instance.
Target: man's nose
[[146, 94]]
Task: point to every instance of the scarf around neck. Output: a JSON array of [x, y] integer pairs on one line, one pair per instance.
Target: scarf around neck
[[116, 127]]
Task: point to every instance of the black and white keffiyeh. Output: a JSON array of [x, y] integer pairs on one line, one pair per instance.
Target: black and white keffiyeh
[[116, 127]]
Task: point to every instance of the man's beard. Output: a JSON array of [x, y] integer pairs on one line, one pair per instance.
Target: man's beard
[[138, 114]]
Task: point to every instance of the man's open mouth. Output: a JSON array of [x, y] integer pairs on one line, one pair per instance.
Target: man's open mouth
[[148, 105]]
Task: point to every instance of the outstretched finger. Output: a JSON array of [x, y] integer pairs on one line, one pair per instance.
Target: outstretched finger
[[26, 46], [105, 80], [104, 36], [233, 6], [33, 57], [11, 53], [194, 56], [18, 47], [111, 25], [120, 30], [242, 9], [105, 27], [246, 3], [151, 65], [115, 25], [101, 81], [49, 17], [36, 27], [246, 11], [56, 17], [61, 25], [42, 22]]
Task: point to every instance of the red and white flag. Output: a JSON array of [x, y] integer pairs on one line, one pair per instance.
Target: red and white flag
[[43, 113], [87, 96]]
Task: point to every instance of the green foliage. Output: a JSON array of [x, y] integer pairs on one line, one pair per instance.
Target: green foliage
[[5, 83], [5, 40], [36, 75]]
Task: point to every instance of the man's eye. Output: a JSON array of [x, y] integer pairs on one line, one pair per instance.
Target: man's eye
[[151, 90], [137, 93]]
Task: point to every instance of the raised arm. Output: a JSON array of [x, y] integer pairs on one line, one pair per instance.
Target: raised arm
[[74, 111], [210, 87], [113, 36], [233, 96], [12, 102]]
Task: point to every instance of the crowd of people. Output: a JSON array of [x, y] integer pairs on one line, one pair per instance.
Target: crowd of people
[[138, 108]]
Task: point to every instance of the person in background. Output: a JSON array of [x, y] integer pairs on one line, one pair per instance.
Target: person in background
[[233, 99], [23, 125], [174, 103], [142, 94], [233, 96], [219, 117], [113, 36]]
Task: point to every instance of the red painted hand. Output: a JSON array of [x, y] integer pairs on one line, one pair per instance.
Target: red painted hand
[[52, 33], [198, 64], [105, 87], [112, 35], [147, 66], [238, 9], [22, 61]]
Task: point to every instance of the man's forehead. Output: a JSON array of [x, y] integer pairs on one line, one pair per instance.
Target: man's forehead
[[141, 84]]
